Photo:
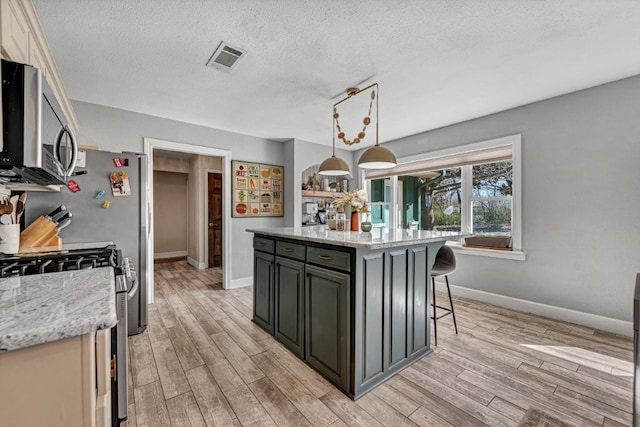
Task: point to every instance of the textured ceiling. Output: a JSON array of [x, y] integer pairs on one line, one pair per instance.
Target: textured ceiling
[[437, 62]]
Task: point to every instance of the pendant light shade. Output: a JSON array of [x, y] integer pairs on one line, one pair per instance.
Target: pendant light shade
[[377, 157], [333, 166]]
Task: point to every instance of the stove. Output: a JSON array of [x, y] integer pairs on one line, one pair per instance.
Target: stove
[[60, 260]]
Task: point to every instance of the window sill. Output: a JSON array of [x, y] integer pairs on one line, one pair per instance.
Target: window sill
[[459, 249]]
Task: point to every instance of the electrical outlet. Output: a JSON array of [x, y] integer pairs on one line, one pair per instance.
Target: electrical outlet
[[81, 162]]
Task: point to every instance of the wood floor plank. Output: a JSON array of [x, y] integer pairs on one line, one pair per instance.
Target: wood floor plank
[[507, 409], [213, 405], [172, 378], [245, 342], [401, 403], [245, 405], [208, 305], [430, 367], [142, 363], [311, 407], [527, 399], [448, 411], [425, 418], [625, 382], [206, 321], [151, 409], [250, 328], [281, 410], [599, 390], [198, 336], [184, 347], [313, 381], [500, 373], [611, 412], [245, 367], [348, 411], [477, 410], [184, 411], [382, 412]]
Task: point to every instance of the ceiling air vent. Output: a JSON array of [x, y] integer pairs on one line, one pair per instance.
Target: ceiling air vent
[[226, 57]]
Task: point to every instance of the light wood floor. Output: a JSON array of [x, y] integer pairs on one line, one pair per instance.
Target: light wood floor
[[203, 362]]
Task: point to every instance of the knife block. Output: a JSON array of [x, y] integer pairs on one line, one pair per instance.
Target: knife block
[[40, 233]]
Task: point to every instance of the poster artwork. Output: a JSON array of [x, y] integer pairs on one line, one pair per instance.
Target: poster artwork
[[257, 189]]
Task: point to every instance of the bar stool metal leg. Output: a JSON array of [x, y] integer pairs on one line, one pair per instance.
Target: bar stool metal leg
[[434, 317], [453, 312]]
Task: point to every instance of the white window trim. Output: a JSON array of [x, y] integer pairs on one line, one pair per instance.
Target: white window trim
[[516, 202]]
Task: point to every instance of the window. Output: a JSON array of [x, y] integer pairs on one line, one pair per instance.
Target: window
[[472, 188]]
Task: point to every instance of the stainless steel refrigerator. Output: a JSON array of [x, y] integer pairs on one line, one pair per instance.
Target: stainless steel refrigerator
[[125, 221]]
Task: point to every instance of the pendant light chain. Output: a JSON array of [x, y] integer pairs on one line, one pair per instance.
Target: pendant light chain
[[366, 121]]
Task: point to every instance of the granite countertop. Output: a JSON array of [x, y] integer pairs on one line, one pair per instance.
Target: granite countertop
[[378, 238], [48, 307]]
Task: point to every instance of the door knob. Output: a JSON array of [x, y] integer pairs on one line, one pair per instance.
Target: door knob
[[211, 224]]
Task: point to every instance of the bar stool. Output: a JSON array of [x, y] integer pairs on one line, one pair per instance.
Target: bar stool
[[444, 264]]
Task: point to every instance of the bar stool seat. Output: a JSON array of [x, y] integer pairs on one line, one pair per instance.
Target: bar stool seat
[[444, 264]]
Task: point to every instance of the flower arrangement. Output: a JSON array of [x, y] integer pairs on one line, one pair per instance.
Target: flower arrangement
[[357, 199]]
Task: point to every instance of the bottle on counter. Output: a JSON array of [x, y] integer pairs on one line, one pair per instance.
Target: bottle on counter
[[341, 219]]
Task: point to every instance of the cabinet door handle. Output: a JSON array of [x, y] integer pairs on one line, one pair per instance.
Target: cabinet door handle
[[325, 257], [288, 249]]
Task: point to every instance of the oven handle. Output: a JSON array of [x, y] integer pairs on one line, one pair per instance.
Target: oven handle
[[132, 292]]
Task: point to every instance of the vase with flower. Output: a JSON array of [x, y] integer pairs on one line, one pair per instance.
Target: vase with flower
[[357, 201]]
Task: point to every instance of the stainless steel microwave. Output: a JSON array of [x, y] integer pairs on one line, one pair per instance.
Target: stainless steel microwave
[[38, 147]]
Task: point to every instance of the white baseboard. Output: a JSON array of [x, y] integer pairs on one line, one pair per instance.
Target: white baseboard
[[241, 282], [608, 324], [196, 264], [165, 255]]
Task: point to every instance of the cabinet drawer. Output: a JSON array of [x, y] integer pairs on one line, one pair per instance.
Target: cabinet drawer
[[264, 245], [290, 250], [329, 258]]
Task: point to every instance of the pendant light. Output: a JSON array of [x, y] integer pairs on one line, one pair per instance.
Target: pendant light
[[333, 166], [377, 157]]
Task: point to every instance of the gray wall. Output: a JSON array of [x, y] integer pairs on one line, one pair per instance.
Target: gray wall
[[118, 130], [580, 199]]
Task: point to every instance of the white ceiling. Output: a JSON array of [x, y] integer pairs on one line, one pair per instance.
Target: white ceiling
[[438, 62]]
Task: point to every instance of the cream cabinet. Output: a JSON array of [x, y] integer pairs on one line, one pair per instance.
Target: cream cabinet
[[22, 40], [60, 383], [15, 32]]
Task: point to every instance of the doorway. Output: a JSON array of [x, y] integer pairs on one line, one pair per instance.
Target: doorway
[[214, 214], [224, 159]]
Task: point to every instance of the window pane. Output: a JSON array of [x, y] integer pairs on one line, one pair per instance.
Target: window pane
[[492, 217], [432, 200], [380, 215], [492, 179], [378, 191]]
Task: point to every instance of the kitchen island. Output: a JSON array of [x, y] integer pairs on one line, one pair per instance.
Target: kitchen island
[[55, 355], [354, 306]]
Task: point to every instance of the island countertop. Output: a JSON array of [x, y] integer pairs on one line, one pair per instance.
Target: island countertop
[[377, 238], [48, 307]]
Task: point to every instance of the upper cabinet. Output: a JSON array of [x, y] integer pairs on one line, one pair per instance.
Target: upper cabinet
[[22, 40]]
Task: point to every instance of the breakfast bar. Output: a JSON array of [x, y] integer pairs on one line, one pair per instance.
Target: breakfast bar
[[354, 306]]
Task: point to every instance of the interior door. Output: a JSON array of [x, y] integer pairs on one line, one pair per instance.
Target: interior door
[[215, 219]]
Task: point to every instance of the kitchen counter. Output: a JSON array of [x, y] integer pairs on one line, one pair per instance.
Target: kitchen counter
[[378, 238], [49, 307]]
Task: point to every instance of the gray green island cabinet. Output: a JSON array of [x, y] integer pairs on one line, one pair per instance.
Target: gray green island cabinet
[[354, 306]]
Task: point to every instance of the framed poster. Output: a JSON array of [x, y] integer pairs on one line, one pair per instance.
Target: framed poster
[[257, 189]]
